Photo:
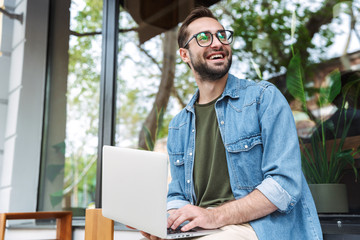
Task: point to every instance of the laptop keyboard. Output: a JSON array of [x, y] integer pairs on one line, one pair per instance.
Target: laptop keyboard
[[178, 230]]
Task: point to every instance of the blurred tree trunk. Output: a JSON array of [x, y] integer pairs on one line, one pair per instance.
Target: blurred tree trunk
[[165, 87]]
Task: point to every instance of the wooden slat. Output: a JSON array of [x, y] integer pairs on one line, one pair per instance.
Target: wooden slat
[[97, 226]]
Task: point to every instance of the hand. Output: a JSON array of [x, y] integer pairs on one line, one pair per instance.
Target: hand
[[151, 237], [197, 217]]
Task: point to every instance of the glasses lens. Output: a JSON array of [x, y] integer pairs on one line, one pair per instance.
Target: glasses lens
[[225, 36], [204, 38]]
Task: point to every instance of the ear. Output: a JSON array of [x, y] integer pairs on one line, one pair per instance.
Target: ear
[[184, 54]]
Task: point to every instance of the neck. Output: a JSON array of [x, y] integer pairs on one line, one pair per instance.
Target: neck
[[210, 90]]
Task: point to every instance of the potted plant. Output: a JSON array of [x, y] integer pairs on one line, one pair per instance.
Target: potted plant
[[324, 161]]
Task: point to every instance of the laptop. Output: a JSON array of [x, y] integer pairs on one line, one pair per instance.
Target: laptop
[[134, 191]]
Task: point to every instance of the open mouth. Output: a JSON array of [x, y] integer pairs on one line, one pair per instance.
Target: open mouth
[[216, 56]]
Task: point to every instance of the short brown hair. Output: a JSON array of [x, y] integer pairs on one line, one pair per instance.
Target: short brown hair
[[197, 13]]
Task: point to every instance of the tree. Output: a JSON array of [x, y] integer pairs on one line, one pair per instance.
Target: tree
[[263, 28], [165, 87]]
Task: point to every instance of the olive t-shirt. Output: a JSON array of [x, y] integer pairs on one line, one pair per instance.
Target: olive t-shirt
[[211, 176]]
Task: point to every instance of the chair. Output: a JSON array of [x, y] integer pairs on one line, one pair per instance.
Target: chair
[[63, 222], [97, 226]]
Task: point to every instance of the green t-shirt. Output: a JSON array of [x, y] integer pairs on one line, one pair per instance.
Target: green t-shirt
[[211, 176]]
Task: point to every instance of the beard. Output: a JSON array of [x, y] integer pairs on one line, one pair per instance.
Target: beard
[[209, 73]]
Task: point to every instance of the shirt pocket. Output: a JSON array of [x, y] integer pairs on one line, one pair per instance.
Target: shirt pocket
[[244, 144], [177, 159], [245, 158]]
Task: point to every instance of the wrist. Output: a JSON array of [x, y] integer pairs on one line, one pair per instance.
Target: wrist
[[218, 216]]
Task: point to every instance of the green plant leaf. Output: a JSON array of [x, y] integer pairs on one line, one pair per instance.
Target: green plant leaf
[[160, 120], [328, 94], [294, 79], [335, 85], [148, 140]]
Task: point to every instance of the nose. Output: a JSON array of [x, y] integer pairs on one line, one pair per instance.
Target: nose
[[216, 42]]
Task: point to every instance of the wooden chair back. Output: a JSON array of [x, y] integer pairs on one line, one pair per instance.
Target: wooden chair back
[[63, 221]]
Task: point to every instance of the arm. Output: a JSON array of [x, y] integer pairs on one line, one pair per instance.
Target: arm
[[253, 206]]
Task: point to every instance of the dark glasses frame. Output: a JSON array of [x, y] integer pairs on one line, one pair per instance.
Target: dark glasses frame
[[229, 39]]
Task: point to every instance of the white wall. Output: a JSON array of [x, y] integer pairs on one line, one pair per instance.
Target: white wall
[[5, 40], [24, 91]]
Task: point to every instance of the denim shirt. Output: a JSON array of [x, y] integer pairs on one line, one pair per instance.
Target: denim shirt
[[262, 151]]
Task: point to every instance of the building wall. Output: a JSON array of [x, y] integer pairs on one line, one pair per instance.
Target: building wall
[[5, 41], [22, 89]]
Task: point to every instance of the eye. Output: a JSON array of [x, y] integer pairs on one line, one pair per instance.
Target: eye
[[203, 37], [222, 35]]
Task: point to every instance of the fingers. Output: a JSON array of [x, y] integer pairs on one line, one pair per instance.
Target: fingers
[[173, 220], [146, 235], [190, 225], [176, 218], [197, 217], [179, 220]]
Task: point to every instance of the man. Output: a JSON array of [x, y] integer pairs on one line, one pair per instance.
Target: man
[[234, 153]]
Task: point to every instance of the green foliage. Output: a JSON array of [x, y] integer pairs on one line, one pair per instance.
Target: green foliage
[[319, 164], [294, 76], [262, 32], [149, 139], [328, 94]]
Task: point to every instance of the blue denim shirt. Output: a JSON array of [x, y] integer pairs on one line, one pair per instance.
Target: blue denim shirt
[[262, 151]]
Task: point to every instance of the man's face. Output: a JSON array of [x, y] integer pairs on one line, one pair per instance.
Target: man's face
[[212, 62]]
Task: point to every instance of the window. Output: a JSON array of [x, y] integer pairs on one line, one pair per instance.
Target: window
[[152, 84], [70, 141]]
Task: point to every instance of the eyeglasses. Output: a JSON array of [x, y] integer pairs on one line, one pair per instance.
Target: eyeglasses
[[205, 39]]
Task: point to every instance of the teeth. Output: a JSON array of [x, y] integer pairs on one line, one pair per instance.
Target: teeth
[[216, 56]]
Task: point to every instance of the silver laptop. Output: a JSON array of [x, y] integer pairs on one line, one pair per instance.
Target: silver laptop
[[134, 190]]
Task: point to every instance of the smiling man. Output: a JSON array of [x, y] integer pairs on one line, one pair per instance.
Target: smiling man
[[233, 150]]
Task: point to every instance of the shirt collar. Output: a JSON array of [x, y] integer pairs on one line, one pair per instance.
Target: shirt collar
[[233, 85]]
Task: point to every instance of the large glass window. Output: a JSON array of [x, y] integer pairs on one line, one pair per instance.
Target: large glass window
[[153, 84], [322, 36], [71, 123]]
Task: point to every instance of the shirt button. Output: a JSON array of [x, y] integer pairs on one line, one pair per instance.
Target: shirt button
[[222, 122], [193, 130], [246, 146], [188, 181], [178, 161], [190, 154]]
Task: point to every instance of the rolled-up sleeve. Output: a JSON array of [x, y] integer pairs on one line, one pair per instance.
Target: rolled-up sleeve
[[281, 163], [176, 204]]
